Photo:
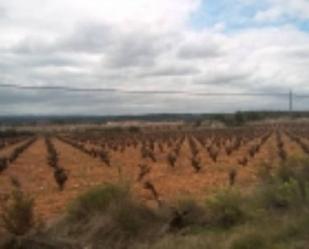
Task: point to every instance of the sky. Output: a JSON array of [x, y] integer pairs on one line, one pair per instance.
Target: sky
[[194, 46]]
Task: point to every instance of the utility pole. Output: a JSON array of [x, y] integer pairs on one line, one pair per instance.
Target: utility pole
[[291, 102]]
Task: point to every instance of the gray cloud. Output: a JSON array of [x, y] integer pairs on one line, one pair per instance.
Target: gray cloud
[[89, 49], [204, 51], [171, 71], [298, 52], [135, 49], [228, 78], [90, 38], [3, 13], [30, 46]]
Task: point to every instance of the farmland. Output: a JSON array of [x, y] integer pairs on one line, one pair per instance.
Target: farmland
[[160, 164]]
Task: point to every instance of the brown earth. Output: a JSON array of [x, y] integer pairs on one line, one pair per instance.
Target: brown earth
[[84, 172]]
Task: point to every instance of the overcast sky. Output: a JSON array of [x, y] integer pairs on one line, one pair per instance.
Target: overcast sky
[[231, 46]]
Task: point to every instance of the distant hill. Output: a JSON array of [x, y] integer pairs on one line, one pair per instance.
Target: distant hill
[[161, 117]]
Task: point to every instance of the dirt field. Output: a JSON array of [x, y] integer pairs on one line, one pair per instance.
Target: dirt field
[[159, 166]]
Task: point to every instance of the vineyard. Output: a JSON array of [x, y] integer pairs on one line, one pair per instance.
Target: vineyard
[[159, 164]]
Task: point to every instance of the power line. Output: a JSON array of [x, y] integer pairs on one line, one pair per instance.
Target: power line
[[64, 88], [151, 92], [289, 95]]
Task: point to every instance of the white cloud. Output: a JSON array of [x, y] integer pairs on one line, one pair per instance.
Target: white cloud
[[269, 15], [298, 9]]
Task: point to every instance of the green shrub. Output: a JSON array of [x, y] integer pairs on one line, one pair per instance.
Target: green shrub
[[295, 225], [97, 200], [132, 218], [294, 168], [250, 241], [111, 218], [225, 209], [288, 186], [286, 171], [280, 195], [192, 212], [17, 215]]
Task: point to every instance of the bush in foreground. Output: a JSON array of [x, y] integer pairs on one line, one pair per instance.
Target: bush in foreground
[[97, 200], [287, 187], [251, 240], [225, 209], [109, 217], [17, 214]]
